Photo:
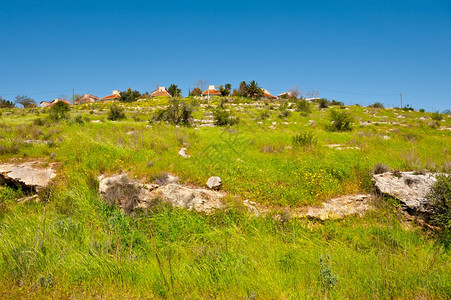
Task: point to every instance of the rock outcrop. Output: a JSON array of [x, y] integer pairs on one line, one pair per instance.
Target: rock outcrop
[[409, 188], [132, 194], [28, 176], [340, 207]]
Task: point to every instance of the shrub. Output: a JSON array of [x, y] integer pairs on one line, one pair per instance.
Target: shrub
[[304, 139], [116, 113], [323, 103], [222, 117], [59, 111], [377, 105], [124, 194], [381, 168], [421, 110], [177, 112], [304, 107], [78, 119], [436, 116], [440, 200], [263, 115], [339, 121]]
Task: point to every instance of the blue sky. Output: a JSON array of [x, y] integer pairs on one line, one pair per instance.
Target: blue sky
[[352, 51]]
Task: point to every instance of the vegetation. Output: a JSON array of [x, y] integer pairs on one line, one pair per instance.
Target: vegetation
[[5, 103], [178, 113], [440, 197], [339, 121], [129, 95], [75, 244], [60, 110], [174, 91], [196, 92], [116, 113], [222, 117], [25, 101], [304, 107]]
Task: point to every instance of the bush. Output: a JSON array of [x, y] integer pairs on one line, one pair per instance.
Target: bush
[[381, 168], [304, 139], [223, 117], [421, 110], [178, 113], [304, 107], [78, 119], [436, 116], [440, 200], [59, 111], [377, 105], [116, 113], [339, 121], [323, 103]]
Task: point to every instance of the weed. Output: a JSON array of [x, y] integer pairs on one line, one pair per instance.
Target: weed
[[223, 117], [124, 194], [116, 113], [339, 121], [381, 168], [327, 277], [304, 139], [440, 200]]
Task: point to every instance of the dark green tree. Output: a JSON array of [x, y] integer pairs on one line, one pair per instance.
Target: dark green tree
[[253, 90], [174, 91], [5, 103], [59, 111], [196, 92], [129, 95]]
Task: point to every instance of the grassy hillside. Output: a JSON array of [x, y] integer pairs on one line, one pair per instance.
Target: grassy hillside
[[76, 245]]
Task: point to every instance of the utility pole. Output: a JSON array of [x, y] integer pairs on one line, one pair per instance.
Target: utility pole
[[400, 97], [73, 95]]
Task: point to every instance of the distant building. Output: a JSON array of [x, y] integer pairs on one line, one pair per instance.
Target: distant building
[[115, 95], [267, 94], [211, 92], [160, 91], [312, 99], [285, 95], [50, 104], [86, 98]]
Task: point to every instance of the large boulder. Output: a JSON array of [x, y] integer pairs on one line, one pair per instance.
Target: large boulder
[[28, 175], [132, 194], [409, 188]]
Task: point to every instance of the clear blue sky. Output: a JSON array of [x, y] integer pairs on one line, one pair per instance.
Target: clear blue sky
[[353, 51]]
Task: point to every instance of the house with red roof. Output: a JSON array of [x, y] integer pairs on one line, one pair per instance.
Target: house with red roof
[[267, 94], [55, 101], [114, 96], [86, 98], [160, 91], [211, 92]]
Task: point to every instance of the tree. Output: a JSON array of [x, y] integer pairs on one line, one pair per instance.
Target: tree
[[253, 90], [129, 95], [116, 113], [294, 92], [25, 101], [201, 84], [174, 91], [5, 103], [59, 111], [225, 91], [196, 92], [242, 90]]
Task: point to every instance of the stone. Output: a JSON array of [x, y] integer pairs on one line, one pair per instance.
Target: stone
[[340, 207], [192, 198], [26, 175], [214, 183], [182, 153], [409, 188]]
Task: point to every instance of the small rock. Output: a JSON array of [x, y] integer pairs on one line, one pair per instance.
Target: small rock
[[214, 183], [183, 153]]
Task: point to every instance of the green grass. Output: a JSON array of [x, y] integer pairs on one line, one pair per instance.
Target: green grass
[[76, 245]]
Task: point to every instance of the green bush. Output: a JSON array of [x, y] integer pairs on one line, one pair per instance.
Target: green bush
[[436, 116], [178, 113], [116, 113], [339, 121], [440, 200], [78, 119], [304, 139], [223, 117], [304, 107], [377, 105], [59, 111]]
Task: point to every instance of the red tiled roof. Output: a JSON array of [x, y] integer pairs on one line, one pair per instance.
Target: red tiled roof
[[157, 93], [87, 98], [113, 96], [269, 96], [211, 92]]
